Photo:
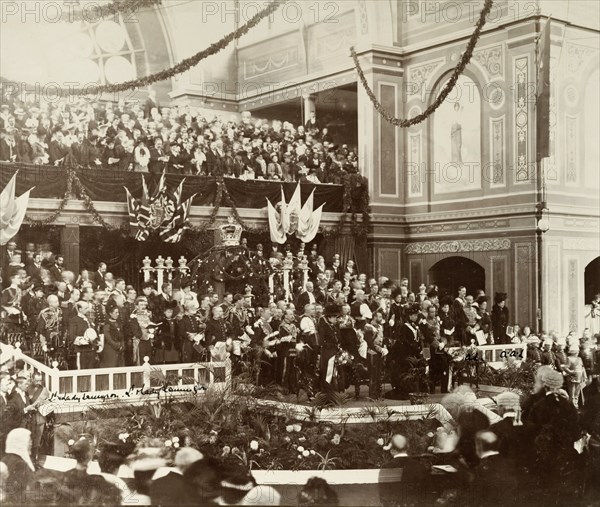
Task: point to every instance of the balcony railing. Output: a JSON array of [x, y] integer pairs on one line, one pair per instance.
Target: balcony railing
[[107, 185]]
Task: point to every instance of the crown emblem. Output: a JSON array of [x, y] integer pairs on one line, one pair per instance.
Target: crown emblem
[[231, 233]]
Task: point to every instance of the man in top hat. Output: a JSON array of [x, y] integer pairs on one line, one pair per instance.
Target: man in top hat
[[500, 318]]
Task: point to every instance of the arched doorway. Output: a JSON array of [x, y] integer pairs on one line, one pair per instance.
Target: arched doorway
[[592, 280], [450, 273]]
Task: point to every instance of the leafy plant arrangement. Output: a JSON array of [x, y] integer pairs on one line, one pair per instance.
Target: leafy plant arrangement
[[514, 376], [416, 381], [236, 430]]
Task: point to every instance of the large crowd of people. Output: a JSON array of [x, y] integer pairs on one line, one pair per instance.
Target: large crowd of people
[[340, 328], [145, 137], [336, 329]]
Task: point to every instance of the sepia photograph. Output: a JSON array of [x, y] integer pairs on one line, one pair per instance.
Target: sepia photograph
[[300, 253]]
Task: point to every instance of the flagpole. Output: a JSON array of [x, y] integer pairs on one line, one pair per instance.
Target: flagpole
[[541, 205]]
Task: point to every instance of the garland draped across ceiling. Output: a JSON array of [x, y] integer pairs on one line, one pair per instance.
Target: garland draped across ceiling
[[183, 65], [448, 87], [112, 9]]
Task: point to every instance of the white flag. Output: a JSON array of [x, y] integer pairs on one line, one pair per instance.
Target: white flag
[[275, 225], [11, 227]]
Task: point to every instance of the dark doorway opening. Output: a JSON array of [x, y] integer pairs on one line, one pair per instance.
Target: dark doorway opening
[[451, 273], [592, 280]]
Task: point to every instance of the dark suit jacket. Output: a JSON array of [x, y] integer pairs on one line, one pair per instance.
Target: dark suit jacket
[[155, 165], [494, 479], [303, 300], [6, 151], [409, 490], [98, 280], [172, 489], [20, 419]]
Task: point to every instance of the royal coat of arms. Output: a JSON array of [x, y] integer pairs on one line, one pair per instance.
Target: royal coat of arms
[[162, 211]]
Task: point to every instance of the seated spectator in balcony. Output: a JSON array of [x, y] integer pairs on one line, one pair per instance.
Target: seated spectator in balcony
[[109, 157], [313, 125], [39, 154], [8, 148], [158, 157], [311, 177], [288, 169], [57, 150], [141, 156], [274, 171], [176, 160], [239, 166], [124, 153], [212, 166]]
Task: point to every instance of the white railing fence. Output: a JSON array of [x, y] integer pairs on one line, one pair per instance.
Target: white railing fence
[[131, 382]]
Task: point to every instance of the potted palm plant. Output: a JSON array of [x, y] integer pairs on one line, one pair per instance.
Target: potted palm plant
[[415, 381]]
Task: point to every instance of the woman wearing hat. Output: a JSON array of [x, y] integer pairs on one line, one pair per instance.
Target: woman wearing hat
[[114, 340]]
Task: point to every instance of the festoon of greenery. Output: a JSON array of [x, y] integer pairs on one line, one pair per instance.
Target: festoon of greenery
[[97, 11], [355, 202], [183, 65], [448, 87]]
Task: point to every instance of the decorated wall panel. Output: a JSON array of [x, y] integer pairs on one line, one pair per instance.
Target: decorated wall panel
[[388, 168], [524, 295], [389, 263], [457, 140], [521, 119], [499, 275]]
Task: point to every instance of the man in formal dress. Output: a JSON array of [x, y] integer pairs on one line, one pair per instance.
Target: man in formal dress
[[38, 396], [82, 339], [376, 353], [99, 276], [308, 334], [409, 490], [500, 318], [158, 157], [307, 297], [21, 403], [407, 348]]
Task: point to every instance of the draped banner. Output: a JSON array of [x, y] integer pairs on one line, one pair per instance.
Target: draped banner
[[12, 211], [107, 185], [162, 210], [291, 218]]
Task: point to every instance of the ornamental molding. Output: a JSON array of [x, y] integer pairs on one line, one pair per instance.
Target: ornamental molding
[[475, 245], [418, 77], [577, 55], [491, 59]]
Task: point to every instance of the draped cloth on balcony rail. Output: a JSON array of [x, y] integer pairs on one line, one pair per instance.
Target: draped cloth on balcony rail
[[106, 185]]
